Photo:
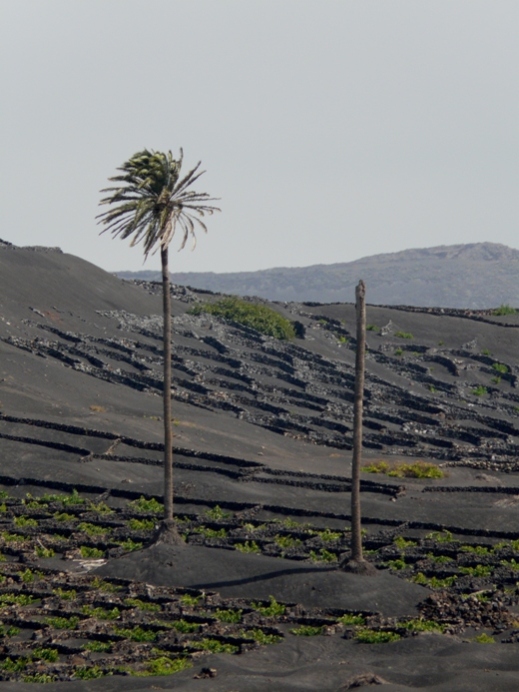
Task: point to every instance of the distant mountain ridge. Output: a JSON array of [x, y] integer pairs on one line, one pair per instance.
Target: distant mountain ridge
[[474, 276]]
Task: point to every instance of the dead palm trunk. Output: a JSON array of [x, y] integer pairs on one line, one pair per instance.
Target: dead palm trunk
[[356, 563]]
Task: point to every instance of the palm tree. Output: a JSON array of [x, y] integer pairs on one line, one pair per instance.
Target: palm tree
[[147, 204]]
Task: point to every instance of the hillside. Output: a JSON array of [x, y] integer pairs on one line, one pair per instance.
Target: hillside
[[475, 276], [263, 435]]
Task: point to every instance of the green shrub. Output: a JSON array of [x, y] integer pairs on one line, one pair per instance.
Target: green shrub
[[144, 505], [504, 309], [88, 553], [404, 335], [274, 609], [421, 625], [259, 317], [368, 636], [419, 469], [484, 639], [500, 367], [262, 637], [306, 631], [164, 665], [351, 620], [248, 547], [231, 616], [479, 390]]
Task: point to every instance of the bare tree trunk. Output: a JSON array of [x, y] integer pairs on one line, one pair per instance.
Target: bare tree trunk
[[167, 532], [356, 563]]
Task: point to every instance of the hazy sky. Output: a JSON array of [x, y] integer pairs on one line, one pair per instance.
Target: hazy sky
[[331, 129]]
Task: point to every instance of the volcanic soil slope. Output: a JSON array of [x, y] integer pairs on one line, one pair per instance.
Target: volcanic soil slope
[[255, 599]]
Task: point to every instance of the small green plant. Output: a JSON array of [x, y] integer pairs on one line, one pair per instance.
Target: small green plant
[[130, 545], [248, 547], [484, 639], [150, 506], [88, 553], [306, 631], [501, 368], [41, 551], [141, 524], [398, 351], [287, 542], [432, 389], [511, 564], [504, 309], [62, 623], [98, 647], [396, 565], [351, 620], [164, 665], [372, 328], [100, 508], [14, 666], [322, 556], [496, 380], [479, 390], [215, 646], [486, 352], [421, 625], [185, 627], [231, 616], [189, 601], [101, 613], [28, 576], [259, 317], [88, 673], [72, 500], [342, 339], [476, 549], [9, 631], [440, 536], [401, 543], [142, 605], [434, 582], [439, 559], [217, 513], [42, 654], [207, 532], [404, 335], [136, 634], [41, 678], [63, 516], [262, 637], [477, 570], [25, 522], [274, 609], [98, 583], [368, 636], [21, 599], [92, 529], [328, 536]]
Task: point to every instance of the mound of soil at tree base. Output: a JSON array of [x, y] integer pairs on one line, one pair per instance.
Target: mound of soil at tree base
[[239, 575]]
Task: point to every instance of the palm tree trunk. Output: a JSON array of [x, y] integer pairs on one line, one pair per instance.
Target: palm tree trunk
[[168, 431], [356, 562], [356, 534]]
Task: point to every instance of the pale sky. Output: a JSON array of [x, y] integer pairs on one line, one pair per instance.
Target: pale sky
[[330, 129]]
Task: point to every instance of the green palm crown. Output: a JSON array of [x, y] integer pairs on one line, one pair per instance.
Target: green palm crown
[[150, 200]]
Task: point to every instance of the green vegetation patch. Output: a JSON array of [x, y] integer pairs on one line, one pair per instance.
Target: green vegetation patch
[[419, 469], [367, 636], [504, 309], [259, 317]]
